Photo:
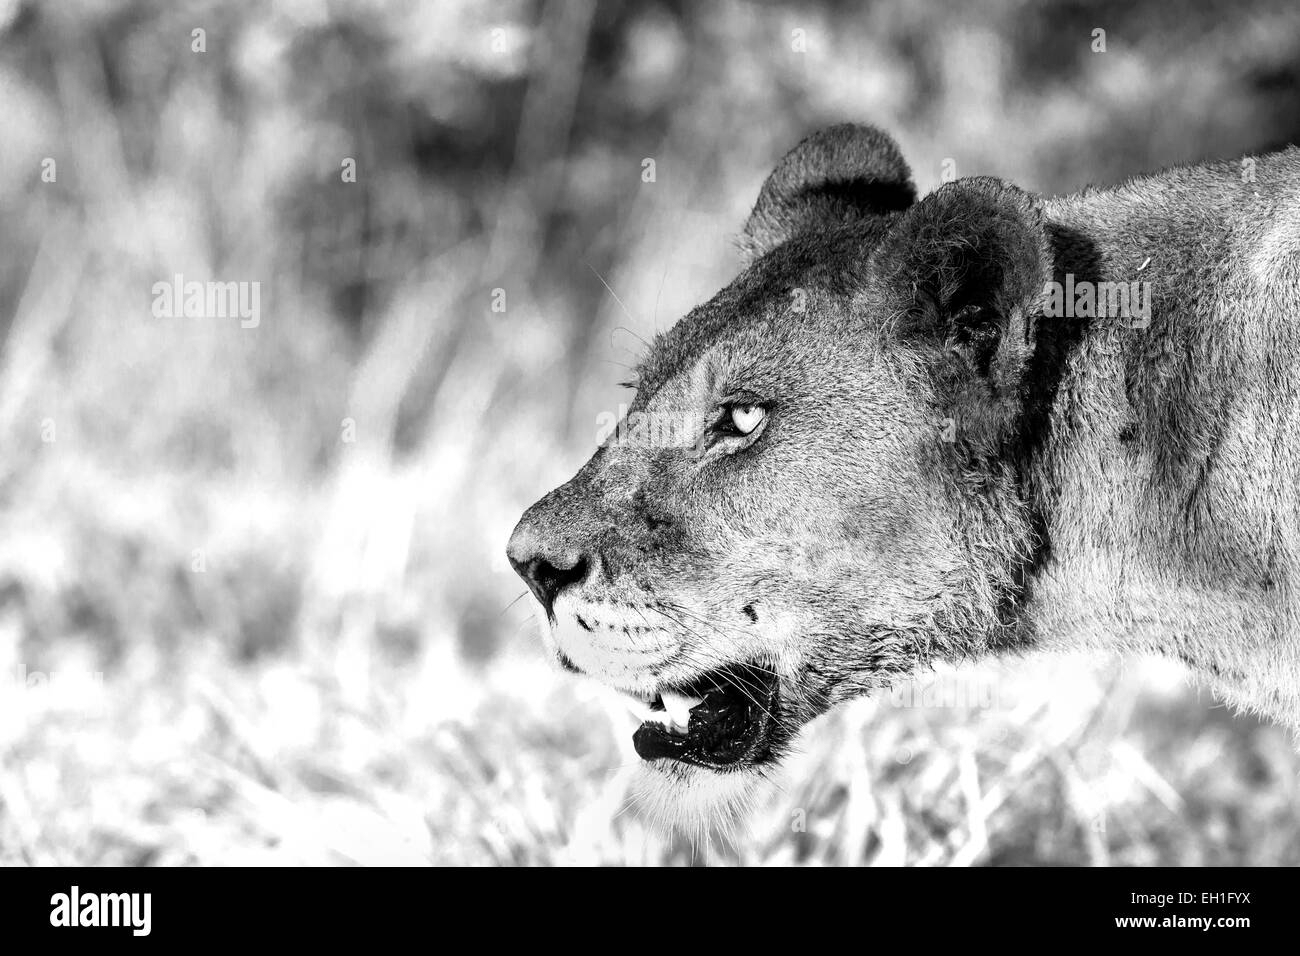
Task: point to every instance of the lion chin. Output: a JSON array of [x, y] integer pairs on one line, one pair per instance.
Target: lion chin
[[697, 802]]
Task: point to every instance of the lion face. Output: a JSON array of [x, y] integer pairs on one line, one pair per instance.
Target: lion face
[[805, 500]]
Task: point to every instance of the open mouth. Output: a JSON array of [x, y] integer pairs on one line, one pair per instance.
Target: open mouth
[[720, 720]]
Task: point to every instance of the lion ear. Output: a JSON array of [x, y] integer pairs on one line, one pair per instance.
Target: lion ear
[[966, 270], [840, 174]]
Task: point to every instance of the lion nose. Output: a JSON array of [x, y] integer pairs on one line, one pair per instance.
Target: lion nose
[[547, 572]]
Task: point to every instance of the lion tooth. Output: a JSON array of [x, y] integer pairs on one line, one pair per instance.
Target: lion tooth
[[679, 707], [661, 718], [639, 709]]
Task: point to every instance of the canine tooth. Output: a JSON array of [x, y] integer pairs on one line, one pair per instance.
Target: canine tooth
[[640, 709], [679, 707]]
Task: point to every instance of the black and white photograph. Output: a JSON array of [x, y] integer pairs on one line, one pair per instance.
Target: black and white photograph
[[586, 433]]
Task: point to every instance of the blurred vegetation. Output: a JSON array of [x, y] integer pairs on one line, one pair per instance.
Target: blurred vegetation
[[346, 679]]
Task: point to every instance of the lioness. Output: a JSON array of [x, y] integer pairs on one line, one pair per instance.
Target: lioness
[[909, 431]]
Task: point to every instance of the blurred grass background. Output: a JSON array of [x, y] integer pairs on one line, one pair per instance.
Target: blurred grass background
[[231, 634]]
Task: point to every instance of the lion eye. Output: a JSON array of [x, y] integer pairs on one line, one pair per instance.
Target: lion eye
[[745, 418]]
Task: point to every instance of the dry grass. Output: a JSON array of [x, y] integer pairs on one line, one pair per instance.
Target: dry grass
[[345, 680], [220, 765]]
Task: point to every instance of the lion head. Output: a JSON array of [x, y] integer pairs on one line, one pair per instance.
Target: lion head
[[819, 486]]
